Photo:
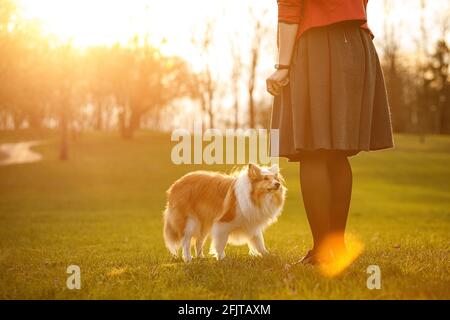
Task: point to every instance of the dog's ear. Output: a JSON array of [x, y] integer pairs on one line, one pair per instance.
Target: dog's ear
[[274, 169], [254, 172]]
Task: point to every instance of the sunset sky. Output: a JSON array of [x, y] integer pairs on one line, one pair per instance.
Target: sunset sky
[[95, 22], [92, 22]]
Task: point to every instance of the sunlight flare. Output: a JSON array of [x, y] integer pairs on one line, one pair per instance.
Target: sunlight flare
[[341, 259]]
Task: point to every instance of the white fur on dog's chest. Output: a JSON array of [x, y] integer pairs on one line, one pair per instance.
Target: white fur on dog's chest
[[250, 219], [245, 206], [256, 215]]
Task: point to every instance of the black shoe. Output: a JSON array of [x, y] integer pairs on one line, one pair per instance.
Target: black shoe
[[310, 258]]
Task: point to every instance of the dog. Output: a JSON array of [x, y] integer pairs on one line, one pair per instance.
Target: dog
[[232, 208]]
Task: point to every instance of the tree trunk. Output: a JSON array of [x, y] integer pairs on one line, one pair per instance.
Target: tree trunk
[[211, 117], [251, 88], [133, 124], [63, 152], [17, 120], [445, 111], [35, 120], [210, 101], [251, 108], [236, 113], [99, 117]]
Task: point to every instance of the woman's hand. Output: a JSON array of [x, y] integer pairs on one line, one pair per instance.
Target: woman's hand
[[276, 81]]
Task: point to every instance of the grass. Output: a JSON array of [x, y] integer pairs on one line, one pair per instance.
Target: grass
[[102, 209]]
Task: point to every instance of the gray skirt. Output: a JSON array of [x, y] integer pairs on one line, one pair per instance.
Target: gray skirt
[[336, 97]]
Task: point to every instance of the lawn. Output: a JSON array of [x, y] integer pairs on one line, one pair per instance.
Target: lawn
[[102, 210]]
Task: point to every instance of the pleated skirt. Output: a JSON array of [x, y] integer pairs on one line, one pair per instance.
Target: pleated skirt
[[336, 97]]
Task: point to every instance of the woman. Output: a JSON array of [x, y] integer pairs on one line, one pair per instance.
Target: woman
[[330, 103]]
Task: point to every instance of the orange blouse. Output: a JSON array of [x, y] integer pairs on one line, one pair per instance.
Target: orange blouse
[[316, 13]]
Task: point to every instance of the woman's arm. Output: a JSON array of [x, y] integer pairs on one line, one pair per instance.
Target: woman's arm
[[288, 20], [286, 41], [287, 34]]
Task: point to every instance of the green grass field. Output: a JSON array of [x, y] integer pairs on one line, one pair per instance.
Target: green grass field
[[102, 210]]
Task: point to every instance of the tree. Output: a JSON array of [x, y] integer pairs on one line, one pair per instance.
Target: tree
[[7, 11], [236, 74], [66, 77], [423, 105], [97, 64], [205, 85], [437, 86], [395, 74], [259, 31], [23, 93], [144, 80]]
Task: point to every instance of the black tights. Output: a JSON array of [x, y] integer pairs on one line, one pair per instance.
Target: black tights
[[326, 184]]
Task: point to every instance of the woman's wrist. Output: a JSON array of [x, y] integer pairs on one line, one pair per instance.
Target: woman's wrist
[[280, 66]]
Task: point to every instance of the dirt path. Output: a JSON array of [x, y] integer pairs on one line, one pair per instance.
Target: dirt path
[[20, 152]]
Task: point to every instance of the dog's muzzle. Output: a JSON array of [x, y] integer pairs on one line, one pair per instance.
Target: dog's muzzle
[[276, 186]]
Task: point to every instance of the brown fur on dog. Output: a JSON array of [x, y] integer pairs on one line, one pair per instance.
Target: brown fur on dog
[[200, 194]]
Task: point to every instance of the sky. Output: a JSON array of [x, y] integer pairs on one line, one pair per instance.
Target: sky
[[91, 22], [172, 24]]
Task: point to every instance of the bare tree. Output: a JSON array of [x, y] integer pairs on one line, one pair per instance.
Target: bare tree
[[66, 78], [259, 31], [442, 57], [236, 72], [391, 62], [206, 85], [423, 100], [143, 80]]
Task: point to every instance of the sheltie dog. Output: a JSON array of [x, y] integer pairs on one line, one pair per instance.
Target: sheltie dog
[[234, 208]]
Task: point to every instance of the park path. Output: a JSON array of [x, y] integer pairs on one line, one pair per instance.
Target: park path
[[19, 152]]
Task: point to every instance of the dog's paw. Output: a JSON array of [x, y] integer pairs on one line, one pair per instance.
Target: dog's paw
[[256, 253], [187, 259], [218, 256]]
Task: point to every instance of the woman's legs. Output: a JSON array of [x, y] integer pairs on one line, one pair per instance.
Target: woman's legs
[[316, 192], [326, 184], [341, 191]]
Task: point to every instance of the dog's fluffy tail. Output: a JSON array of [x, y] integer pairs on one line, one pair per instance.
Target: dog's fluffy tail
[[174, 224]]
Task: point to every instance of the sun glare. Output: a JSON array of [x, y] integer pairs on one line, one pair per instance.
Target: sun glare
[[170, 25], [341, 261], [87, 23], [94, 22]]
